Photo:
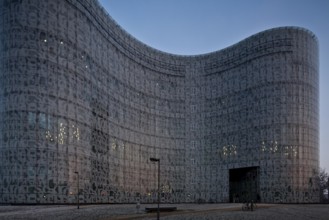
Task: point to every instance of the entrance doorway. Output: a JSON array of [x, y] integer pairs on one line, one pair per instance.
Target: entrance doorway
[[244, 184]]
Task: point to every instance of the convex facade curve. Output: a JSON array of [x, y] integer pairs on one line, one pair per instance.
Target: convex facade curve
[[83, 101]]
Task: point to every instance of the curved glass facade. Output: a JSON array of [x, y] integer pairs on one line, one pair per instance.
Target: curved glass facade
[[81, 98]]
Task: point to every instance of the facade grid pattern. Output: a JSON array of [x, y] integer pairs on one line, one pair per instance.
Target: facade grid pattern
[[79, 94]]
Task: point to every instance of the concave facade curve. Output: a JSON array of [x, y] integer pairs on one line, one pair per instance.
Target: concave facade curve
[[80, 99]]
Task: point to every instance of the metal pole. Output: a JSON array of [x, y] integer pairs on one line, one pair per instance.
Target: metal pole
[[158, 189], [78, 189]]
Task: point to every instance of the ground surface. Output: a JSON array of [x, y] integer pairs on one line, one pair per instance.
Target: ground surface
[[184, 212]]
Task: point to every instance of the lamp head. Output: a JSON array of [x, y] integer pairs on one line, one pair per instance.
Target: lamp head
[[154, 159]]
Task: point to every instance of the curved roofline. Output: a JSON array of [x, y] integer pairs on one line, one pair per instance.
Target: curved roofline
[[201, 55]]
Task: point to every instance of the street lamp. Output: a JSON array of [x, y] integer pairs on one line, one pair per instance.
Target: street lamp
[[157, 160], [78, 188]]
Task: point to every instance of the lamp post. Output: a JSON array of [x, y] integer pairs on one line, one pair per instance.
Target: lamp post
[[157, 160], [78, 188]]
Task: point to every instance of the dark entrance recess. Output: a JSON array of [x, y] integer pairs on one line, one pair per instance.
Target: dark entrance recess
[[244, 184]]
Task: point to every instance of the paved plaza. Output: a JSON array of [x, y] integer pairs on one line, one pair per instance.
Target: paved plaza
[[184, 212]]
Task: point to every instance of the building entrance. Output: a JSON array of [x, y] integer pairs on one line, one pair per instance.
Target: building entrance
[[244, 184]]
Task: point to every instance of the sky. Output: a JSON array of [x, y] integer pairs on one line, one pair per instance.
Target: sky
[[190, 27]]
